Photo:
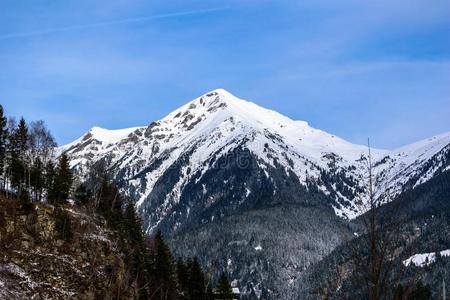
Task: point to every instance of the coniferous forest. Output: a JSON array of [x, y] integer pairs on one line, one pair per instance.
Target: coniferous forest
[[35, 177]]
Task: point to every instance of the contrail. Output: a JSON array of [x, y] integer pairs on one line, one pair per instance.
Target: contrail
[[108, 23]]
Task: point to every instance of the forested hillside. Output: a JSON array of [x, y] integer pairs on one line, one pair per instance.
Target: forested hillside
[[417, 224], [63, 238]]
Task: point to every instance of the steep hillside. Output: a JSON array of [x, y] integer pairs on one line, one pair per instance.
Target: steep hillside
[[266, 250], [42, 257], [424, 218]]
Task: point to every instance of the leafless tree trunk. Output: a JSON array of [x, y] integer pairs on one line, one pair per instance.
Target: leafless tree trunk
[[373, 254]]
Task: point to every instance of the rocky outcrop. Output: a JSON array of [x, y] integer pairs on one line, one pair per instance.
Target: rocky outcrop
[[58, 253]]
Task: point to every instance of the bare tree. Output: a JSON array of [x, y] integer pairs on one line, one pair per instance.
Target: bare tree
[[373, 253], [41, 145]]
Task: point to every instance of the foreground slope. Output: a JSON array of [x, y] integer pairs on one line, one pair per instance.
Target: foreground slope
[[38, 261]]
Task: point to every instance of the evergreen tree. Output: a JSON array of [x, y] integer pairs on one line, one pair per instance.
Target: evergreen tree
[[63, 179], [136, 248], [25, 201], [421, 292], [49, 181], [183, 278], [164, 260], [164, 279], [224, 290], [3, 142], [11, 156], [82, 195], [110, 204], [18, 171], [22, 138], [196, 283], [37, 178], [19, 160]]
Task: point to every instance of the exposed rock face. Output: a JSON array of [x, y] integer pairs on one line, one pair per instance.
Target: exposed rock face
[[37, 262]]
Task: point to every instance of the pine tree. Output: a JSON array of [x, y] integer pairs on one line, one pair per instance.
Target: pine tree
[[25, 201], [136, 254], [21, 165], [109, 204], [224, 290], [22, 138], [10, 155], [63, 179], [36, 178], [421, 292], [164, 280], [17, 172], [183, 278], [164, 260], [3, 142], [18, 146], [196, 283], [49, 181], [82, 195]]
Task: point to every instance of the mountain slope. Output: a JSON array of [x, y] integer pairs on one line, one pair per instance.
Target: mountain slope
[[425, 222], [217, 161], [194, 137]]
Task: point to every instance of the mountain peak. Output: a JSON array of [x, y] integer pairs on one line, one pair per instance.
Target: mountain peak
[[219, 104], [215, 99]]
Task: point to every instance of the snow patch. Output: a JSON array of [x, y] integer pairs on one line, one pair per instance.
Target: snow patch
[[424, 259]]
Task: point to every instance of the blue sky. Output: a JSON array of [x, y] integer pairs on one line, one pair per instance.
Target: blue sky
[[358, 69]]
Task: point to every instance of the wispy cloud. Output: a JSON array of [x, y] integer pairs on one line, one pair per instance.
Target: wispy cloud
[[354, 68], [110, 23]]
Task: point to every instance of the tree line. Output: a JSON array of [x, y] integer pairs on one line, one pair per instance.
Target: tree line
[[28, 169]]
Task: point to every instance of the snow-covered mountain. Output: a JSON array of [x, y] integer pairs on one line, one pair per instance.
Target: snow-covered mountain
[[217, 123], [248, 190]]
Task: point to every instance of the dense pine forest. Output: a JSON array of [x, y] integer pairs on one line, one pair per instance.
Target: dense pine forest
[[35, 178]]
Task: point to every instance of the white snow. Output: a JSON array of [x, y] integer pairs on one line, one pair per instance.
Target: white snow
[[105, 135], [424, 259], [216, 123], [111, 136]]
